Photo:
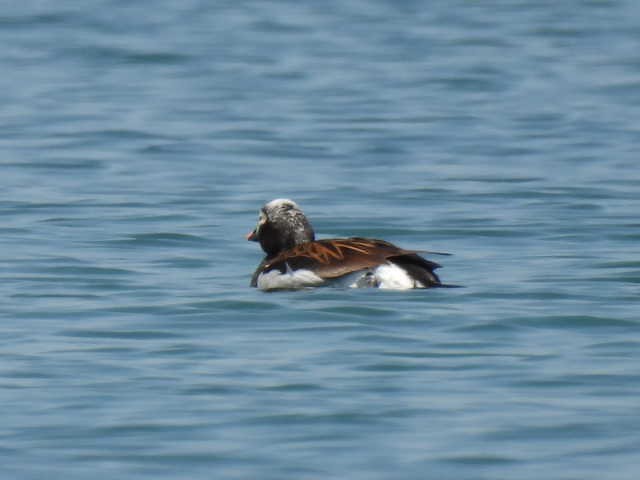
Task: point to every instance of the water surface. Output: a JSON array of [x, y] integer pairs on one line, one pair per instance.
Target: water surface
[[140, 140]]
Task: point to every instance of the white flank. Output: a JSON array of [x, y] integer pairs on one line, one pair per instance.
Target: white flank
[[388, 276], [276, 280]]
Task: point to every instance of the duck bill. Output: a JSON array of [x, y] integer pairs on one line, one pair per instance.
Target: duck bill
[[252, 236]]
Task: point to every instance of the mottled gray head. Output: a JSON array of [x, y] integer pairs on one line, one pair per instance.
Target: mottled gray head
[[281, 226]]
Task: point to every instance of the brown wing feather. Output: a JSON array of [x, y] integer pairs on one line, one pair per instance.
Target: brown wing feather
[[333, 258]]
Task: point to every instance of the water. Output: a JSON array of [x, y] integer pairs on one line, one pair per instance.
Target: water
[[138, 142]]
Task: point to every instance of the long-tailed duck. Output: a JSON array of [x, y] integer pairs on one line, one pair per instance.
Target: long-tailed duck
[[295, 259]]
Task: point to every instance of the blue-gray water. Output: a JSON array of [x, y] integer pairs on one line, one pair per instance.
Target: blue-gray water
[[138, 141]]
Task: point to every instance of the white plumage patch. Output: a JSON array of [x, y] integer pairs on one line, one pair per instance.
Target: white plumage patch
[[276, 280], [388, 276], [391, 276]]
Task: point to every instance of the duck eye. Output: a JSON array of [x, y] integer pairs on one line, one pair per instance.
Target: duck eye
[[262, 219]]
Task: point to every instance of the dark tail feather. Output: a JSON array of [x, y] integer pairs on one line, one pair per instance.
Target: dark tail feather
[[431, 252], [419, 269]]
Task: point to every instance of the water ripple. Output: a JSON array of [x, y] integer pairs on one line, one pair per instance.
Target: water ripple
[[137, 147]]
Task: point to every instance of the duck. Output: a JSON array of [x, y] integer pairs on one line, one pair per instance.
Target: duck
[[294, 259]]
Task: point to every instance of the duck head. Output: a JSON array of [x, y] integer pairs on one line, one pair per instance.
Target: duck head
[[281, 225]]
